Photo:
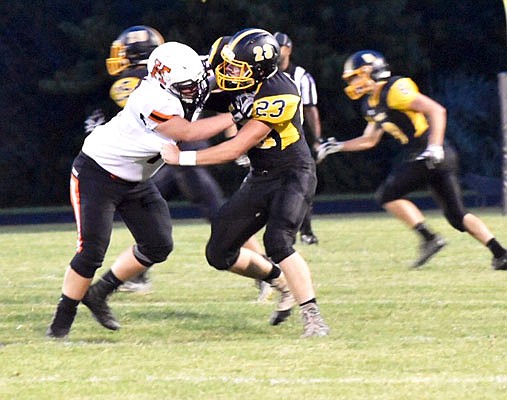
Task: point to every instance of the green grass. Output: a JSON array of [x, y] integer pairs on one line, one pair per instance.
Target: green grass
[[434, 333]]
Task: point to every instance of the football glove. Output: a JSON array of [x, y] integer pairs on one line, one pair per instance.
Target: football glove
[[433, 155], [243, 161], [328, 146], [241, 107], [95, 119]]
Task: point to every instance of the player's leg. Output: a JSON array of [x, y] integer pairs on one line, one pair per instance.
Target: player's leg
[[447, 191], [93, 194], [239, 219], [146, 215], [407, 178], [290, 203]]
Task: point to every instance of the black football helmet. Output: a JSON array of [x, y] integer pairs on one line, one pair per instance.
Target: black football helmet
[[370, 66], [134, 45], [249, 57], [214, 55]]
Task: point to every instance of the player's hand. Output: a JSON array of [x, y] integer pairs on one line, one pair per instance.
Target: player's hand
[[328, 146], [241, 107], [433, 155], [95, 119], [243, 161], [170, 154]]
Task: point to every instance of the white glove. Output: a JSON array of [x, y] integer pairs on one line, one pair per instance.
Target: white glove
[[241, 107], [328, 146], [243, 161], [95, 119], [433, 155]]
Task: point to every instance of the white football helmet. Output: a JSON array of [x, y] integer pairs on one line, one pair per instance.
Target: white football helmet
[[179, 70]]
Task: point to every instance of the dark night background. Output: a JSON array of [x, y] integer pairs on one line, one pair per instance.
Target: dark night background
[[53, 60]]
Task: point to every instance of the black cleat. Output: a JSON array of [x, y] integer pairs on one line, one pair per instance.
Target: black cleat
[[279, 316], [500, 263], [55, 332], [428, 250], [99, 308]]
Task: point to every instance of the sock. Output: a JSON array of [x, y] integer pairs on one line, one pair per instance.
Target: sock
[[273, 274], [111, 279], [424, 231], [66, 311], [496, 248], [314, 301]]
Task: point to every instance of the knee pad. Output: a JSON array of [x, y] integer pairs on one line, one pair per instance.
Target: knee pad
[[85, 264], [279, 243], [220, 258], [455, 219], [148, 255]]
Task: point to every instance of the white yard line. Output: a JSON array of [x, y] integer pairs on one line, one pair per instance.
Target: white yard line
[[352, 380]]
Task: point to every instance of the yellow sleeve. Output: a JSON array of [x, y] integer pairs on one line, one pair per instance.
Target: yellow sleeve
[[401, 94], [122, 88]]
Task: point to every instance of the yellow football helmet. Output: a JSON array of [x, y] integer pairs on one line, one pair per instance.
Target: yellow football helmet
[[133, 46], [253, 56], [370, 66]]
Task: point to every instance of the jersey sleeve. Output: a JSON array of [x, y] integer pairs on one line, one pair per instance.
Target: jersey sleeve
[[153, 106], [401, 94]]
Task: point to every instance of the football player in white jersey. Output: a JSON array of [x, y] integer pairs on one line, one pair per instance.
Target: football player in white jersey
[[112, 173]]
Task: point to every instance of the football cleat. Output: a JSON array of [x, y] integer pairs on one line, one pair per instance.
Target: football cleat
[[500, 263], [265, 291], [140, 284], [313, 323], [309, 239], [428, 249], [95, 300], [56, 332], [285, 302]]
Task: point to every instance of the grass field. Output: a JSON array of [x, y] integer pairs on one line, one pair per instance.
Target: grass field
[[434, 333]]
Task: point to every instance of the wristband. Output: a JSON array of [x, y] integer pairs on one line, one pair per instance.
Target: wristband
[[187, 158]]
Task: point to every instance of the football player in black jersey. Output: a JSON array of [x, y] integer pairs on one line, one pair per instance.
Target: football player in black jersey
[[394, 105], [281, 183]]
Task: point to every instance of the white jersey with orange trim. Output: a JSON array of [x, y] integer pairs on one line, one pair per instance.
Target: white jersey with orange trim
[[128, 146]]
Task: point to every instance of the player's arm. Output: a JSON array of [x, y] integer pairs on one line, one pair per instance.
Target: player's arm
[[247, 137], [180, 129], [370, 138], [436, 115]]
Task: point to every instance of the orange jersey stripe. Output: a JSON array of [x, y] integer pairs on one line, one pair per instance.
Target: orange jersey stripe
[[159, 117], [75, 200]]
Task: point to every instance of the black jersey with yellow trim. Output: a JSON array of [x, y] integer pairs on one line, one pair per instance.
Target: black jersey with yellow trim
[[126, 83], [277, 104], [391, 112]]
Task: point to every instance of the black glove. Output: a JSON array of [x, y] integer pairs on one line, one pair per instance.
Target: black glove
[[95, 119], [241, 107]]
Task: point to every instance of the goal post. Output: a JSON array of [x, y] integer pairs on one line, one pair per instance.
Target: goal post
[[502, 94]]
